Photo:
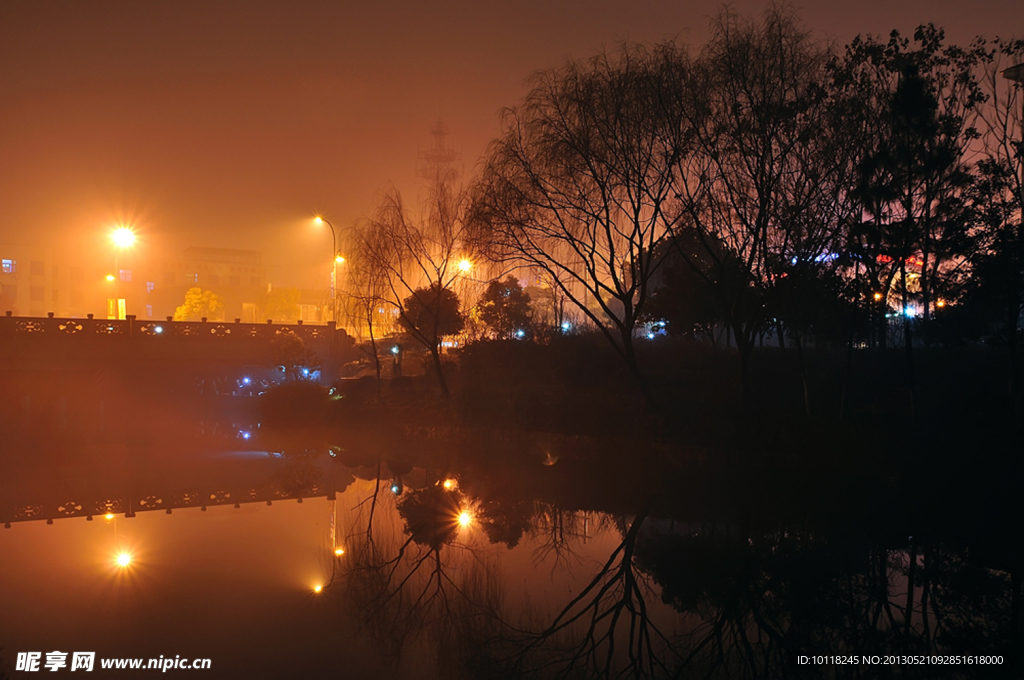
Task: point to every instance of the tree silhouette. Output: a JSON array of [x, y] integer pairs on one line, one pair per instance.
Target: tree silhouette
[[505, 308]]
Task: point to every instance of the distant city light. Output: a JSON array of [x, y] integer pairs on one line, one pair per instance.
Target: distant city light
[[123, 237], [940, 303], [124, 559], [305, 372], [650, 336], [878, 296]]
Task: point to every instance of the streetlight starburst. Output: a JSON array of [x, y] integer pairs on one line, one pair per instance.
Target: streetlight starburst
[[123, 237]]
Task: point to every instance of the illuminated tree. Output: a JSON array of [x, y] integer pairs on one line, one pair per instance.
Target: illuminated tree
[[282, 304], [199, 304]]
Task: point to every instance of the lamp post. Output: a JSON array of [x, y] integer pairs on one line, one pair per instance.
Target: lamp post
[[123, 237], [335, 261]]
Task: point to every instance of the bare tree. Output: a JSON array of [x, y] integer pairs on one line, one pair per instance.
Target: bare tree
[[412, 255], [367, 308], [580, 183], [758, 192], [1002, 247]]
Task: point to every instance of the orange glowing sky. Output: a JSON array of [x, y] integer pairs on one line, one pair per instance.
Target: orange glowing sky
[[228, 123]]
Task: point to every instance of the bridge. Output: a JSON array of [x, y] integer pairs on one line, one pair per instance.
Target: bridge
[[74, 377], [50, 339]]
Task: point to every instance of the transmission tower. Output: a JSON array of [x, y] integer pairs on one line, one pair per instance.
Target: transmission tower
[[440, 160]]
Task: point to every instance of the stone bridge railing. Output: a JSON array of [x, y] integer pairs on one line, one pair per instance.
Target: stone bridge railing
[[21, 335]]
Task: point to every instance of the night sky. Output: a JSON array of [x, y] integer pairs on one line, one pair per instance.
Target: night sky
[[229, 124]]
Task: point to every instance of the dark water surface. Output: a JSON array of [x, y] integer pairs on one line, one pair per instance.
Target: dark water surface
[[457, 574]]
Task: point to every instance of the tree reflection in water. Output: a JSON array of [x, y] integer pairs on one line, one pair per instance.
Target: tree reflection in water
[[673, 599], [421, 588]]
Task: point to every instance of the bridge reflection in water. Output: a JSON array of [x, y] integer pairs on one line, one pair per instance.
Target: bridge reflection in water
[[250, 480]]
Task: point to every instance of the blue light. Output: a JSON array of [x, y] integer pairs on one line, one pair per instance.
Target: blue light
[[520, 333], [305, 372], [395, 488], [908, 311], [566, 327], [158, 329], [394, 350], [246, 381], [245, 435], [650, 336]]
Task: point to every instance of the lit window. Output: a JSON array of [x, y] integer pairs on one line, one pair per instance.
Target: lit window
[[126, 274], [8, 266], [150, 285], [149, 311]]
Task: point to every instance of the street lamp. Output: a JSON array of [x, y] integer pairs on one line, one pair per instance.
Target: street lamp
[[123, 237], [338, 259]]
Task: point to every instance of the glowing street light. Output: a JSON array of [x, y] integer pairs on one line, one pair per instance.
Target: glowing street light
[[339, 551], [465, 519], [124, 559], [123, 237], [338, 259], [465, 265], [317, 588], [109, 516]]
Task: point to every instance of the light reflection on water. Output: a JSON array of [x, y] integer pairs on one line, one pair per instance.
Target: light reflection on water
[[524, 586], [237, 585]]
